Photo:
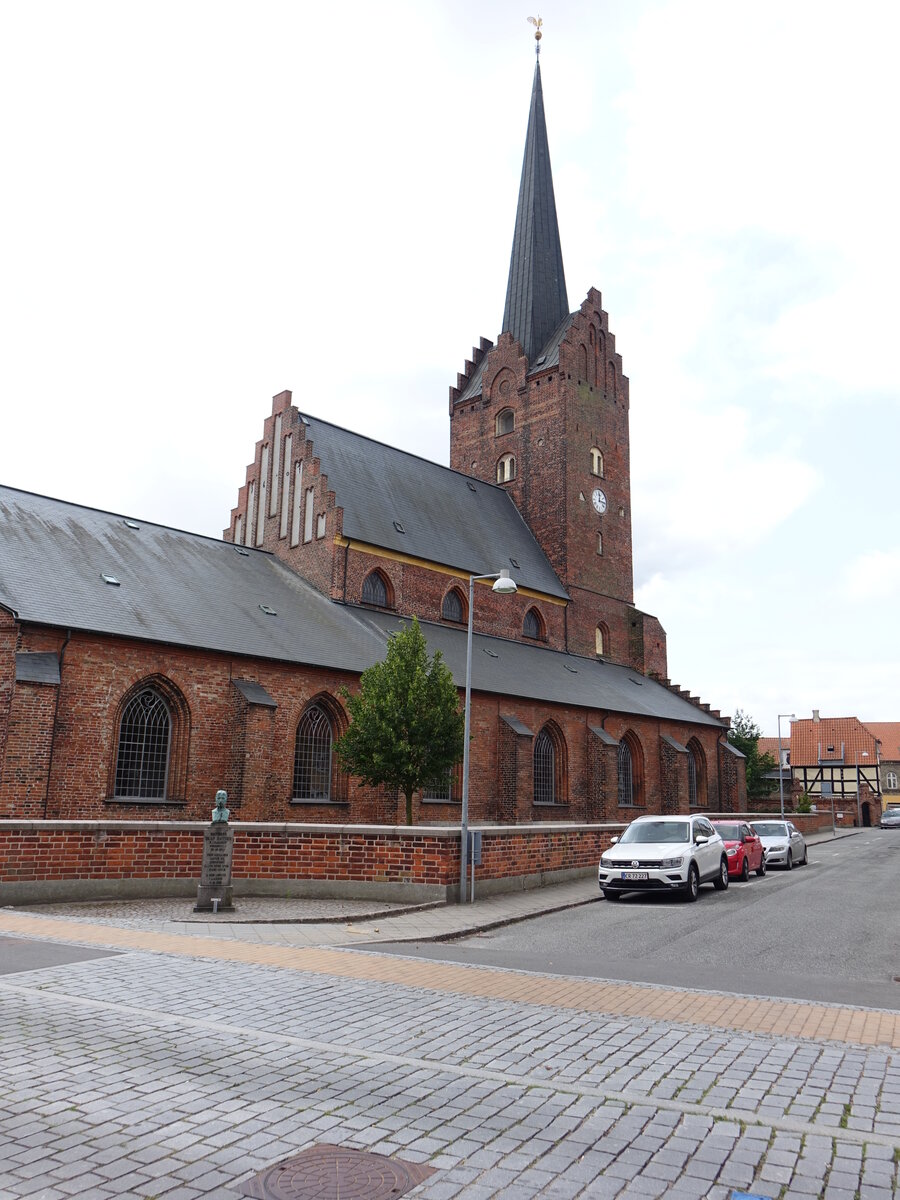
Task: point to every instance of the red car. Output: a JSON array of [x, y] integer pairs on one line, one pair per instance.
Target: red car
[[743, 847]]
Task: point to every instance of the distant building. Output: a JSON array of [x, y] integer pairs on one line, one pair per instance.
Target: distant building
[[888, 734], [837, 758]]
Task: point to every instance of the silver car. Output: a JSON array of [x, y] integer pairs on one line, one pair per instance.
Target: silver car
[[664, 854], [890, 818], [784, 844]]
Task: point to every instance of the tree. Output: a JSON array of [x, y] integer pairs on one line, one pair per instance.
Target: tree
[[406, 728], [744, 735]]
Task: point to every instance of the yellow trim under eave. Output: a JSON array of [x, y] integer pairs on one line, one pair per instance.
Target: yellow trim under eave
[[380, 552]]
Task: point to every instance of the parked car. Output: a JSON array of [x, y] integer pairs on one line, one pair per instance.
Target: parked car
[[784, 844], [890, 818], [743, 847], [664, 854]]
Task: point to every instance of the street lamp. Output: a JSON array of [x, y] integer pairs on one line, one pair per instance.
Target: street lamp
[[506, 586], [787, 717]]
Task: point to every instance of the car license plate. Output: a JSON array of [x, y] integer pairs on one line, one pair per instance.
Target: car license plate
[[634, 876]]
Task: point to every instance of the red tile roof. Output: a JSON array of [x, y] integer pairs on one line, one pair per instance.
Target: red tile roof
[[767, 745], [888, 733], [810, 742]]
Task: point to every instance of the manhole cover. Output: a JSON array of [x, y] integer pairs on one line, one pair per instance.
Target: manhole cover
[[335, 1173]]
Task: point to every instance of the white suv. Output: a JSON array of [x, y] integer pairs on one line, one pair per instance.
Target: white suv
[[664, 854]]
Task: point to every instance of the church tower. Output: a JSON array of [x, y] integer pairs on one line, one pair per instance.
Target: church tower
[[544, 413]]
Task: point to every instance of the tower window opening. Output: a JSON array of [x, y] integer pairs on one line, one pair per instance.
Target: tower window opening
[[506, 468]]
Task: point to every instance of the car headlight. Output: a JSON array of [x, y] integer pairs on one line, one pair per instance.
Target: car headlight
[[668, 863], [605, 863], [731, 852], [778, 847]]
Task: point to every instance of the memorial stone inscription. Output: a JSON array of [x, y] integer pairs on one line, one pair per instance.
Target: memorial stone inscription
[[215, 875]]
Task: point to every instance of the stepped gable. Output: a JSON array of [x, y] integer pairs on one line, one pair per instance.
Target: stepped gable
[[412, 506]]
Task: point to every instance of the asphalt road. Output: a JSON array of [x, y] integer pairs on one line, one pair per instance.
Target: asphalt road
[[828, 932]]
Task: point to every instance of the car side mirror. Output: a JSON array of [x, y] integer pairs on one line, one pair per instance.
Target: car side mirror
[[701, 839], [613, 840]]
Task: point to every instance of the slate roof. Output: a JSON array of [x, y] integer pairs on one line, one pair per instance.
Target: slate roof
[[809, 737], [519, 669], [536, 300], [188, 590], [446, 517], [174, 587]]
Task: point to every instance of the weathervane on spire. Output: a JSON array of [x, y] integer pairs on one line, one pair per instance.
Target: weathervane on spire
[[537, 23]]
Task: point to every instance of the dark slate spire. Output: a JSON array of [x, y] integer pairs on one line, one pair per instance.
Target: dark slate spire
[[536, 299]]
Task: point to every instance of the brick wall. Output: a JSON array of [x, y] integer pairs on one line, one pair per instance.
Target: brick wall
[[220, 740], [56, 859]]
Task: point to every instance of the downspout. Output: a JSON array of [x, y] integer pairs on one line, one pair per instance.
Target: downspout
[[62, 654]]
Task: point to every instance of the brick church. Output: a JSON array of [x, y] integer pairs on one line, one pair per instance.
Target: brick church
[[142, 668]]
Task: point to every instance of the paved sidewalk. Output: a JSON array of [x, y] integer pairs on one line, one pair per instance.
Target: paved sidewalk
[[193, 1059]]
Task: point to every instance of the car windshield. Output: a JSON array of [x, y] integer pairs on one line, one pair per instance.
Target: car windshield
[[728, 833], [770, 828], [656, 831]]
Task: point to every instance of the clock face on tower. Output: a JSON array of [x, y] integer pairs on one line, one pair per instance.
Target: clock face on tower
[[598, 500]]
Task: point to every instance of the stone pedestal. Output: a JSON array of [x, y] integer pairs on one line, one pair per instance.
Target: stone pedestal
[[215, 876]]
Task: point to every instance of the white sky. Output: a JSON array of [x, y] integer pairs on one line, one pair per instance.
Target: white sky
[[205, 203]]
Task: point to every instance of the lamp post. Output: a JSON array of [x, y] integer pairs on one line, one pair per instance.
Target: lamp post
[[788, 717], [506, 586]]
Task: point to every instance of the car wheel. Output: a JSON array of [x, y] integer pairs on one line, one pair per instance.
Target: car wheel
[[692, 887], [745, 870], [789, 862], [761, 869], [609, 894], [720, 883]]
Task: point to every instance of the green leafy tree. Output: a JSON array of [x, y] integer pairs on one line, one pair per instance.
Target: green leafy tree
[[744, 735], [406, 727]]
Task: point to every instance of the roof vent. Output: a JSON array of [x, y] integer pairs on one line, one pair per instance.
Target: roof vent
[[542, 359], [471, 486], [305, 420], [270, 612], [399, 527], [131, 524], [491, 653], [569, 667], [243, 553], [514, 563], [110, 579], [636, 682]]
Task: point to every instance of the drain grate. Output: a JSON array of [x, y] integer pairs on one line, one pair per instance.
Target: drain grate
[[335, 1173]]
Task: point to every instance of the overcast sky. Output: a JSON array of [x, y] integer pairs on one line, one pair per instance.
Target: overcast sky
[[206, 203]]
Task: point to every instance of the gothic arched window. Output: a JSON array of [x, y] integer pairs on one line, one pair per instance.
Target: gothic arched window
[[452, 608], [506, 421], [550, 783], [630, 764], [374, 590], [544, 769], [596, 461], [533, 626], [696, 774], [142, 758], [312, 755]]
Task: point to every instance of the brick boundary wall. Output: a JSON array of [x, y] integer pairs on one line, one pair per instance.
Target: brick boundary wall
[[43, 861]]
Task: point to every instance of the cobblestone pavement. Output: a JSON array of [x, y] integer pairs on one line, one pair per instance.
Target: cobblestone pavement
[[169, 1075]]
